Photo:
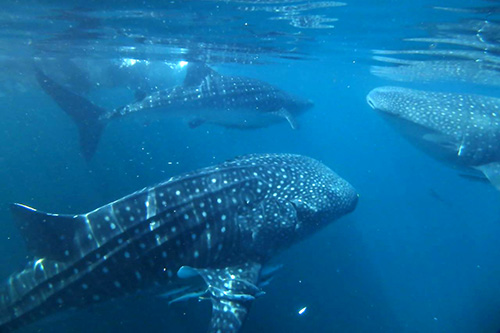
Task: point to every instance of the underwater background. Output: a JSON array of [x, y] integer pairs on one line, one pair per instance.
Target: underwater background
[[419, 254]]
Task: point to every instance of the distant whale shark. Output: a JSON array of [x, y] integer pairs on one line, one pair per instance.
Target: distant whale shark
[[466, 71], [462, 130], [205, 97], [220, 225]]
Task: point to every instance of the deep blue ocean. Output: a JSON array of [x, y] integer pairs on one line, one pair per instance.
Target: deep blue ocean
[[419, 254]]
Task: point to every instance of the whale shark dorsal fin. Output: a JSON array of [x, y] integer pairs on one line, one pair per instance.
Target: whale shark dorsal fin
[[231, 290], [492, 172], [46, 235], [140, 94], [196, 73]]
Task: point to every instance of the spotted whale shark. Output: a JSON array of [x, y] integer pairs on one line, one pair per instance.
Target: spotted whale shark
[[205, 97], [462, 130], [219, 226]]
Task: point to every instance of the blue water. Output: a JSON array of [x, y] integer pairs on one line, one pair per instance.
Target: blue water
[[419, 254]]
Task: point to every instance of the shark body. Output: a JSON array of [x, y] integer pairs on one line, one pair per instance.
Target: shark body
[[463, 130], [219, 225], [205, 97]]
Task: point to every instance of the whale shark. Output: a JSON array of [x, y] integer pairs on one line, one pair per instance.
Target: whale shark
[[219, 226], [480, 73], [205, 97], [462, 130]]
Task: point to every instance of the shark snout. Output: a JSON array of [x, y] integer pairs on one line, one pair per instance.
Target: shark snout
[[370, 102], [375, 99], [353, 198], [380, 100], [386, 99]]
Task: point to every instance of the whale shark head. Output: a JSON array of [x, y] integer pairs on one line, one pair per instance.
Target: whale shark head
[[297, 196], [429, 117], [393, 101], [321, 199], [428, 120]]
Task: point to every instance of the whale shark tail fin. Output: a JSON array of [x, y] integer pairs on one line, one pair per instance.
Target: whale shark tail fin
[[86, 115]]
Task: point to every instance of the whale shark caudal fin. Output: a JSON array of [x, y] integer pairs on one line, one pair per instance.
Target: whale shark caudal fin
[[85, 114], [231, 290], [50, 236], [492, 172]]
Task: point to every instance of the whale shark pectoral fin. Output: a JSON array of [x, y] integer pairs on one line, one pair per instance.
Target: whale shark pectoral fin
[[187, 272], [284, 113], [227, 315], [197, 122], [492, 172], [231, 290]]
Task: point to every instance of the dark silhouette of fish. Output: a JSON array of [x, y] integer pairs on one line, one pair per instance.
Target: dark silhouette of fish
[[221, 223], [434, 194], [205, 97]]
